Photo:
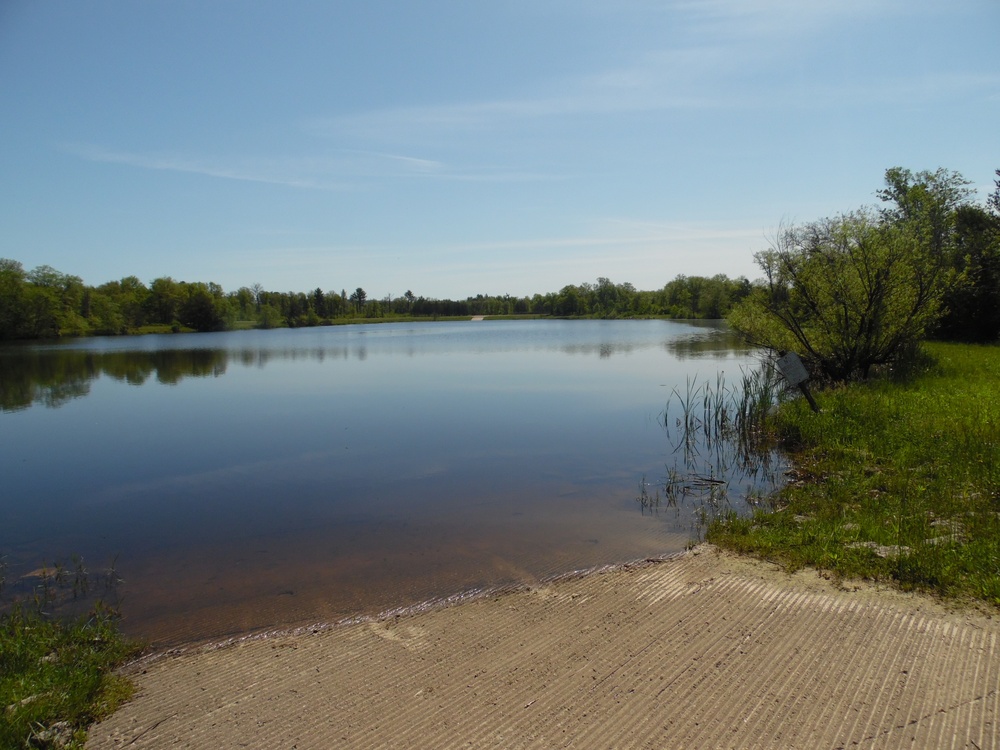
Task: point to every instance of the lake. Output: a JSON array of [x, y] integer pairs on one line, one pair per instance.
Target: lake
[[220, 484]]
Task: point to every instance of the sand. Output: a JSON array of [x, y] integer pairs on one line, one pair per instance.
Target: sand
[[703, 650]]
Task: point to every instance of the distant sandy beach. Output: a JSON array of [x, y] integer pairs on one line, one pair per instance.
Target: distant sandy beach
[[702, 650]]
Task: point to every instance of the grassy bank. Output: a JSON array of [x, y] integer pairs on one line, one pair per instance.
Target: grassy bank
[[893, 481], [57, 677]]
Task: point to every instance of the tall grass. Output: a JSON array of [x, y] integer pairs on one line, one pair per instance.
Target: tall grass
[[894, 480], [723, 438], [57, 666], [713, 412]]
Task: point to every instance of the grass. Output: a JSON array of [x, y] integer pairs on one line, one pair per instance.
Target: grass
[[723, 455], [161, 328], [57, 675], [722, 427], [896, 480]]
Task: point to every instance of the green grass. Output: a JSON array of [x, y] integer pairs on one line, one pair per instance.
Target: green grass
[[894, 481], [160, 328], [56, 678]]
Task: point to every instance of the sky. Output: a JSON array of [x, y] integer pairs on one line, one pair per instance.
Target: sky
[[452, 148]]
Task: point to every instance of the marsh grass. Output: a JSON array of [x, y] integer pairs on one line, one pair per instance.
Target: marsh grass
[[722, 446], [896, 479], [741, 415], [57, 665], [649, 501]]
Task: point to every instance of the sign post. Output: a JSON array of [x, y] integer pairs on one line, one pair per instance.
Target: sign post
[[796, 374]]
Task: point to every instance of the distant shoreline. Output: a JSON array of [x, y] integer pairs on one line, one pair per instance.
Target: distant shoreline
[[165, 330]]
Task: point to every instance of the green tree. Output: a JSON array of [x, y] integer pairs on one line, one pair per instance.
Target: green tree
[[129, 296], [935, 209], [358, 298], [245, 303], [858, 291], [714, 300], [925, 203], [543, 305], [164, 300], [56, 302], [569, 301], [972, 304], [270, 316], [336, 304], [12, 292], [605, 298], [678, 297], [847, 294], [318, 302], [203, 307], [104, 314], [993, 202]]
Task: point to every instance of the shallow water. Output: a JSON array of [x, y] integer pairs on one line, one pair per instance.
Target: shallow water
[[257, 479]]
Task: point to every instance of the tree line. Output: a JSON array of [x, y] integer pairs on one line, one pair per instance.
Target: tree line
[[46, 303], [850, 293], [856, 293]]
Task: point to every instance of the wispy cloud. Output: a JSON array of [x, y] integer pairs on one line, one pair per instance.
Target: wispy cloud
[[617, 233], [620, 234], [345, 170], [773, 19], [388, 123], [708, 67], [411, 166], [175, 163], [681, 80], [411, 162]]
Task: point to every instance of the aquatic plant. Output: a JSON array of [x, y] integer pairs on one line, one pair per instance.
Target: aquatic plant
[[57, 669], [724, 437]]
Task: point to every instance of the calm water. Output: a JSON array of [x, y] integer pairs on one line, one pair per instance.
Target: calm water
[[259, 479]]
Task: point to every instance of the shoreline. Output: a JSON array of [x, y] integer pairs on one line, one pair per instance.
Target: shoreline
[[315, 627], [704, 649]]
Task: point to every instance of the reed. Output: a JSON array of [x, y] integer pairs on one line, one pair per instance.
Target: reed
[[896, 480], [648, 501], [743, 412], [724, 443]]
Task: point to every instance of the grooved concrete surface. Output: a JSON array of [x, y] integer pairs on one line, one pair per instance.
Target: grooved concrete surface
[[705, 650]]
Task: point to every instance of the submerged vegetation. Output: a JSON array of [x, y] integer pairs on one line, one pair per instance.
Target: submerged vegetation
[[57, 667], [894, 480]]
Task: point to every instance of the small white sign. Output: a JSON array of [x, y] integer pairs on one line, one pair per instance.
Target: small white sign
[[792, 368]]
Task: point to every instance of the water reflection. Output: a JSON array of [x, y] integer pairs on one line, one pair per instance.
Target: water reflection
[[54, 374], [252, 479], [723, 453], [713, 344], [54, 377]]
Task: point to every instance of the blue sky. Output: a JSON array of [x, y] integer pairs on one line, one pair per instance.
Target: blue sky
[[454, 147]]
